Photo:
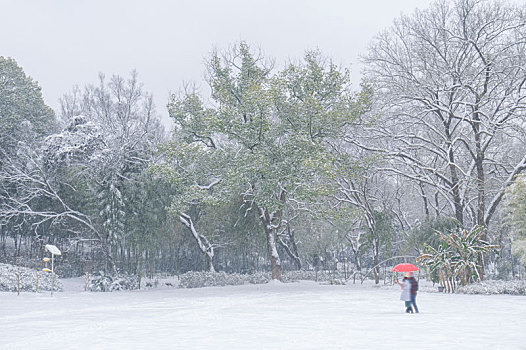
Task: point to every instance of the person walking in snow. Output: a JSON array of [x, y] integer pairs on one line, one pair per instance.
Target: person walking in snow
[[409, 289]]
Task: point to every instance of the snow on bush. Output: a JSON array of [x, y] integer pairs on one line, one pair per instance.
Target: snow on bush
[[196, 279], [320, 276], [495, 287], [28, 279], [101, 282], [258, 278]]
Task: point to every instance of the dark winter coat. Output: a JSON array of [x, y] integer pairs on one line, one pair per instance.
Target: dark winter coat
[[414, 285]]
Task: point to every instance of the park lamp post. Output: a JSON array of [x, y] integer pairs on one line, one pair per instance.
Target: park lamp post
[[54, 251]]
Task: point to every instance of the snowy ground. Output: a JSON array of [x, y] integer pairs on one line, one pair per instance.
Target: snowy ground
[[303, 315]]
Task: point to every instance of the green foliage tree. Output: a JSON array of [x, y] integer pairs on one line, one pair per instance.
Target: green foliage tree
[[516, 217], [21, 102], [148, 229], [266, 134], [425, 233], [24, 120]]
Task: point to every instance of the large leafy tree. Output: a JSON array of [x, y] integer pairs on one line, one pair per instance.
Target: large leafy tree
[[24, 120], [267, 133], [194, 170], [21, 105]]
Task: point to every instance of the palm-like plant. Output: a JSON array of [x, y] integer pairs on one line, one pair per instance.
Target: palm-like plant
[[458, 258]]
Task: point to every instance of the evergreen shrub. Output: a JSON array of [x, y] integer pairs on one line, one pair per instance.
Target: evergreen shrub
[[28, 279], [102, 282], [494, 287]]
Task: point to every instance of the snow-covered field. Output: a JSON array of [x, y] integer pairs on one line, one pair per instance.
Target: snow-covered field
[[303, 315]]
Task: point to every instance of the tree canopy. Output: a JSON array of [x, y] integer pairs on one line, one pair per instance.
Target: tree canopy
[[267, 137], [21, 106]]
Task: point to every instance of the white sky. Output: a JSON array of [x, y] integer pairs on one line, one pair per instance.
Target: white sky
[[61, 43]]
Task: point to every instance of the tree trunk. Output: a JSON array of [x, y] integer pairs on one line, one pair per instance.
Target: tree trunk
[[454, 180], [376, 260], [272, 223], [275, 262], [270, 234], [424, 198], [3, 239]]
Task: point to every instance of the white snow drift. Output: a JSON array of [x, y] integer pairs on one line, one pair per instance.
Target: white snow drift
[[303, 315]]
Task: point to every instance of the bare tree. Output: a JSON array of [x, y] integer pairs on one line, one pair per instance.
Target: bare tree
[[370, 194], [40, 199], [449, 82]]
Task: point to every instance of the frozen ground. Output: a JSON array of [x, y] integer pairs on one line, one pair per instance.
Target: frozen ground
[[302, 315]]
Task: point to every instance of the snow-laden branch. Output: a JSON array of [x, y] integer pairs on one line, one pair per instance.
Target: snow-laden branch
[[500, 194], [202, 242], [210, 185]]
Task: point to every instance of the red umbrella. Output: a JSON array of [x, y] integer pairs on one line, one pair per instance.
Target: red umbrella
[[405, 267]]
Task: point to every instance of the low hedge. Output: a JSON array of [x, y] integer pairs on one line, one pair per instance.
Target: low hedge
[[28, 279], [198, 279], [494, 287]]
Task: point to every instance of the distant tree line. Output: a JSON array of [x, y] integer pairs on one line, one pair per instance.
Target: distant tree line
[[284, 167]]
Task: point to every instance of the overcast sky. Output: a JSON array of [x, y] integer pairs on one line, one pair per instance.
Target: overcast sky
[[61, 43]]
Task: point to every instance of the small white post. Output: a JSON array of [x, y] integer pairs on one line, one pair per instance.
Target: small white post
[[52, 273], [54, 251]]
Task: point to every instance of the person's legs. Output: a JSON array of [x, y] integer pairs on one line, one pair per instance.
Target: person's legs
[[408, 308], [413, 302]]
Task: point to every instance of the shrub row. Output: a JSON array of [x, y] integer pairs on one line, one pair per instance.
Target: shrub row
[[495, 287], [28, 279], [198, 279]]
